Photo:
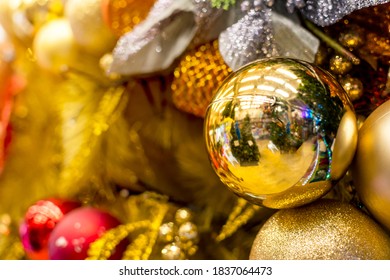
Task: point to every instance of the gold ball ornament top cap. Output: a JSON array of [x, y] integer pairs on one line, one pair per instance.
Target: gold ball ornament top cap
[[324, 230], [371, 166], [279, 132]]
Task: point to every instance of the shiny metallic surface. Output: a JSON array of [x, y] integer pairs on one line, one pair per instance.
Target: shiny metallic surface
[[271, 128], [371, 167]]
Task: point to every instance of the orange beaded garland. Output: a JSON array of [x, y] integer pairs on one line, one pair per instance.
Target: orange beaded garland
[[196, 78]]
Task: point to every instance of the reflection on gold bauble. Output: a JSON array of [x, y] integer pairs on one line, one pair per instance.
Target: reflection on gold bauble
[[122, 15], [198, 74], [87, 24], [371, 167], [54, 46], [323, 230], [270, 129]]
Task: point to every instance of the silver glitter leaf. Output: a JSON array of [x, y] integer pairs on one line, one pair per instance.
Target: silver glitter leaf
[[248, 39], [156, 42], [327, 12]]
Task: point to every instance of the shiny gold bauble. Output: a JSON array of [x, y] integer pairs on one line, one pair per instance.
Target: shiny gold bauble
[[198, 74], [323, 230], [340, 65], [353, 86], [371, 167], [88, 26], [352, 37], [122, 15], [54, 46], [280, 132]]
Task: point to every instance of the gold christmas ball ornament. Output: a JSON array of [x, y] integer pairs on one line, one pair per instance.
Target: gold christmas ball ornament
[[89, 29], [352, 37], [54, 46], [123, 15], [340, 65], [353, 86], [324, 230], [198, 74], [371, 166], [280, 132]]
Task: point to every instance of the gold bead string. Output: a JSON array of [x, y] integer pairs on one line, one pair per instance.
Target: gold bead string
[[242, 212], [102, 248], [144, 242]]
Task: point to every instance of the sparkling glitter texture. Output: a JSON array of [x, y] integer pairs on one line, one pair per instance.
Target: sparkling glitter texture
[[323, 230], [327, 12], [197, 77], [248, 39]]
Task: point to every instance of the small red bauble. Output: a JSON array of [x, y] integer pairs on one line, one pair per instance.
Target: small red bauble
[[72, 236], [39, 221]]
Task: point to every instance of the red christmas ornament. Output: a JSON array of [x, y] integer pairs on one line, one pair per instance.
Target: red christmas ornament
[[72, 236], [39, 221]]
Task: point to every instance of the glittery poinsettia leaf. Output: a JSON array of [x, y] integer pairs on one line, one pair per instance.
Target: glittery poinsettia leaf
[[248, 39], [156, 42], [327, 12], [263, 32]]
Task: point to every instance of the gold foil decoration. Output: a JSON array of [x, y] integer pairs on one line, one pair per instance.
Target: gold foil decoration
[[84, 123], [196, 78]]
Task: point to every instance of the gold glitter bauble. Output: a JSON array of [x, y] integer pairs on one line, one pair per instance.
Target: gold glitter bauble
[[279, 132], [122, 15], [353, 86], [323, 230], [352, 37], [340, 65], [88, 27], [54, 46], [371, 167], [199, 73]]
